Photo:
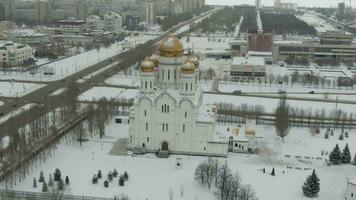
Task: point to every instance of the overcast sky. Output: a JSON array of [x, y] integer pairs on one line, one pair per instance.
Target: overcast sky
[[307, 3]]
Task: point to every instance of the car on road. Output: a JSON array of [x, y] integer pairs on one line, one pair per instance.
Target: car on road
[[1, 114], [236, 92], [281, 92], [311, 92]]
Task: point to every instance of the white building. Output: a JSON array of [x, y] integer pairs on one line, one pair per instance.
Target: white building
[[350, 193], [113, 22], [94, 22], [167, 116], [71, 26], [14, 54]]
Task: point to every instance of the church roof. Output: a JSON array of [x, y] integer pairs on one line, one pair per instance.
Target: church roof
[[171, 47]]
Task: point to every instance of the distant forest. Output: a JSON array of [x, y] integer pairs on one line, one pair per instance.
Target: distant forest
[[226, 20], [282, 23]]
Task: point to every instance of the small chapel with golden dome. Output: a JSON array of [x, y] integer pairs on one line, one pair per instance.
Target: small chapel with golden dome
[[168, 116]]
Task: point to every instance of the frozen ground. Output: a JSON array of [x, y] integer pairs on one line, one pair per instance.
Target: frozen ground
[[14, 89], [202, 45], [108, 92], [151, 178], [312, 18], [124, 80], [16, 112]]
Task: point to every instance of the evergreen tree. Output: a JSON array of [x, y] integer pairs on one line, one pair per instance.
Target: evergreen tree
[[99, 174], [106, 183], [41, 179], [273, 173], [44, 187], [354, 160], [60, 184], [311, 186], [126, 176], [346, 134], [341, 136], [50, 181], [121, 181], [332, 132], [34, 183], [95, 179], [326, 135], [109, 176], [335, 156], [346, 155], [67, 180], [57, 175], [114, 174]]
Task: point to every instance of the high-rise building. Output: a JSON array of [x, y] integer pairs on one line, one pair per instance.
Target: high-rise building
[[150, 12], [80, 9], [113, 22], [7, 10], [42, 11]]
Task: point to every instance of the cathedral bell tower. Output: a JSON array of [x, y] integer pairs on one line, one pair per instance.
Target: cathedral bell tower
[[147, 76], [188, 85]]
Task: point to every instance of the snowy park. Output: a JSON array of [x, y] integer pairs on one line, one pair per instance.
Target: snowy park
[[17, 89], [158, 178]]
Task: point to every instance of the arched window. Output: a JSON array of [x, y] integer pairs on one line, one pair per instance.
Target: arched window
[[148, 139], [186, 86], [175, 74], [169, 74], [185, 115], [145, 84], [162, 108], [151, 84], [162, 74], [183, 128], [146, 126], [167, 108], [191, 86], [145, 113]]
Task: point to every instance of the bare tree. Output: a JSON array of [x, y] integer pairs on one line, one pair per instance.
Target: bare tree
[[247, 193], [282, 118]]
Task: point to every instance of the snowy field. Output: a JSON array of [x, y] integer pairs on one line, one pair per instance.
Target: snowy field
[[202, 45], [301, 3], [14, 89], [16, 112], [68, 66], [97, 93], [312, 18], [152, 178], [124, 80]]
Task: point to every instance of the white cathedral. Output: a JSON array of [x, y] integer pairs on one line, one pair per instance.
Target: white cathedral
[[167, 116]]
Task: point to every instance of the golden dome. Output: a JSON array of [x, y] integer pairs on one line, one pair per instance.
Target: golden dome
[[171, 47], [154, 60], [147, 66], [195, 61], [188, 68]]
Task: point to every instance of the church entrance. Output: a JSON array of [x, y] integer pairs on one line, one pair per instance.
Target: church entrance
[[164, 146]]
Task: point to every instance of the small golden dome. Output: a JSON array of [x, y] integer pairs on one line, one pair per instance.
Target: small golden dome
[[188, 68], [171, 47], [195, 61], [154, 60], [147, 66]]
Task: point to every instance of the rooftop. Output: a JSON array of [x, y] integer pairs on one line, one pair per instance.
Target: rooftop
[[248, 61]]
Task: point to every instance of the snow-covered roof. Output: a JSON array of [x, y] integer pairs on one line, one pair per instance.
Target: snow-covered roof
[[248, 61]]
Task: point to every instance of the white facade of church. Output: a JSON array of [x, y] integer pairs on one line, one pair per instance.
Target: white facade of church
[[167, 115]]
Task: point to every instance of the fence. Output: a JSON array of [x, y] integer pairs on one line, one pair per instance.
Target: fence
[[21, 195]]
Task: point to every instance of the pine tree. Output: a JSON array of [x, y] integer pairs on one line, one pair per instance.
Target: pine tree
[[326, 135], [346, 155], [106, 183], [94, 180], [34, 183], [126, 176], [60, 184], [273, 172], [99, 174], [346, 134], [57, 175], [67, 180], [121, 181], [332, 132], [41, 179], [50, 181], [341, 136], [44, 187], [109, 176], [115, 173], [354, 160], [311, 186], [335, 156]]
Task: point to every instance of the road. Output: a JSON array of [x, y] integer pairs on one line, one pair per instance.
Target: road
[[127, 58]]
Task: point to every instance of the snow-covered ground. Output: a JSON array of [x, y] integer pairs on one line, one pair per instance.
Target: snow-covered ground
[[312, 18], [68, 66], [14, 89], [58, 92], [16, 112], [124, 80], [152, 178], [202, 45], [97, 93]]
